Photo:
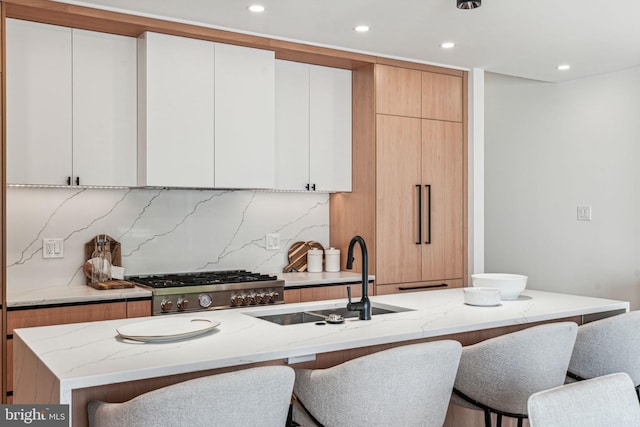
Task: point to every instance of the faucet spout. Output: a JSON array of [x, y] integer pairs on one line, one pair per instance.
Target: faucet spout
[[364, 305]]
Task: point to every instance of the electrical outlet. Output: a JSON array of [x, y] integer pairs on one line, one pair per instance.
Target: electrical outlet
[[272, 241], [53, 248], [584, 213]]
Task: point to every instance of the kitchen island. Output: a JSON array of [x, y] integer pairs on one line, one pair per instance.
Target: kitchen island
[[80, 362]]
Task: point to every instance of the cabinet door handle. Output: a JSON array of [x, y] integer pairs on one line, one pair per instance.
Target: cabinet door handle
[[419, 188], [313, 187], [68, 180], [77, 180], [428, 187], [441, 285]]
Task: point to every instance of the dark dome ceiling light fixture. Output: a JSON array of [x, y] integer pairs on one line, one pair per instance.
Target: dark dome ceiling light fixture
[[468, 4]]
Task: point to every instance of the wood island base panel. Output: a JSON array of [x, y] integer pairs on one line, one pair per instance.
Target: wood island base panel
[[77, 363]]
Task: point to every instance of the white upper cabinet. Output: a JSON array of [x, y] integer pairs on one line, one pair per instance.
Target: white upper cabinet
[[206, 114], [292, 125], [176, 111], [104, 109], [71, 106], [330, 128], [38, 75], [313, 127], [244, 119]]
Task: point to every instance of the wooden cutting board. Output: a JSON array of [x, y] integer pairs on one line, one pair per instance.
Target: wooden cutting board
[[298, 255]]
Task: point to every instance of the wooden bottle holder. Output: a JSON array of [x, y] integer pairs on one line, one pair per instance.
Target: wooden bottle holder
[[116, 259]]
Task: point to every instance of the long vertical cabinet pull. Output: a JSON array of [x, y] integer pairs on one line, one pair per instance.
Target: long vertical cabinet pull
[[428, 187], [419, 188]]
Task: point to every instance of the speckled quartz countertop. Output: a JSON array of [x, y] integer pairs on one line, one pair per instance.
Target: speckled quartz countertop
[[90, 354]]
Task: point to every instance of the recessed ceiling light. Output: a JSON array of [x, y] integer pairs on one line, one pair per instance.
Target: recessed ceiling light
[[563, 67], [447, 45], [362, 28], [256, 8]]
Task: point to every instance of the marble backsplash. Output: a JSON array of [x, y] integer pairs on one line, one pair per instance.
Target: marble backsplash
[[159, 230]]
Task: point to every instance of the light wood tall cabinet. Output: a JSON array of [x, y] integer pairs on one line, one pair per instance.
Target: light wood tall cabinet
[[80, 88], [409, 195]]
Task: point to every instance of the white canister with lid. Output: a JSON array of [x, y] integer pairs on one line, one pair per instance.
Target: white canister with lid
[[332, 259], [314, 260]]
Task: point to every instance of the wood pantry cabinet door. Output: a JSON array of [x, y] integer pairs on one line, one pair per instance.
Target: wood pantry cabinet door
[[176, 115], [441, 97], [442, 171], [397, 91], [398, 157], [38, 97]]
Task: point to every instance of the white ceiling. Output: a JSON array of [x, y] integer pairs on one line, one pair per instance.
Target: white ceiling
[[515, 37]]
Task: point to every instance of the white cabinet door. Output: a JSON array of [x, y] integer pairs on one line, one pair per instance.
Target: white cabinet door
[[38, 73], [313, 127], [104, 109], [176, 111], [244, 117], [330, 128], [292, 125]]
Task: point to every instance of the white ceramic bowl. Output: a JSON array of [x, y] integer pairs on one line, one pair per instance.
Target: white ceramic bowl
[[482, 296], [510, 285]]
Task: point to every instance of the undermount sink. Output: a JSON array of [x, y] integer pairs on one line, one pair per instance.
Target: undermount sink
[[320, 315]]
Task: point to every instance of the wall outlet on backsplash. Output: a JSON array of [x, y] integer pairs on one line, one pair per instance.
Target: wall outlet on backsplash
[[272, 241], [53, 248]]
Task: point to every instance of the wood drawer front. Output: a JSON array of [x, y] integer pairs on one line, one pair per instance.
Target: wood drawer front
[[321, 293], [139, 308], [66, 314], [418, 286]]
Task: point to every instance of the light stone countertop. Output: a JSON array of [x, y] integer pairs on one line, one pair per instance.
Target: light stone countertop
[[69, 294], [17, 297], [90, 354], [301, 279]]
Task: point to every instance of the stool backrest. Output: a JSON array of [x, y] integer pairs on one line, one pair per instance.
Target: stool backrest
[[502, 372], [257, 397], [609, 400], [608, 346], [405, 386]]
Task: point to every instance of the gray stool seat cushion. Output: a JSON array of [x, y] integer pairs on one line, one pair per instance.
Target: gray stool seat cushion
[[403, 386], [502, 372], [608, 346], [257, 397], [605, 401]]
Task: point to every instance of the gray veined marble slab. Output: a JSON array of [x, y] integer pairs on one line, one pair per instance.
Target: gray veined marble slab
[[89, 354], [160, 230]]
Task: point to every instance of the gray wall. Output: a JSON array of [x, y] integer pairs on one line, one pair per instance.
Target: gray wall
[[552, 147]]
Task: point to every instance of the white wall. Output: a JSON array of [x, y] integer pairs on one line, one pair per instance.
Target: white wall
[[552, 147], [159, 230]]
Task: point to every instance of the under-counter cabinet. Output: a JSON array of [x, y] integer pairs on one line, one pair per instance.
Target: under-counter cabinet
[[206, 114], [71, 106], [324, 292], [313, 127], [408, 200], [65, 314]]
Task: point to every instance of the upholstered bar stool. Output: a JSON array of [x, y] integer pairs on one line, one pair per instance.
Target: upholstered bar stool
[[404, 386], [605, 401], [257, 397], [608, 346], [499, 374]]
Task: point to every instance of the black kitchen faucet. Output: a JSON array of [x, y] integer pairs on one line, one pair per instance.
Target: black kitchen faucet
[[364, 305]]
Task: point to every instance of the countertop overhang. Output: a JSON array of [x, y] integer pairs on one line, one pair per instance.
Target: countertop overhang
[[90, 354]]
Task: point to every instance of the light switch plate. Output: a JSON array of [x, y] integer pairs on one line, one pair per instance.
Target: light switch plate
[[584, 213], [53, 248], [272, 241]]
